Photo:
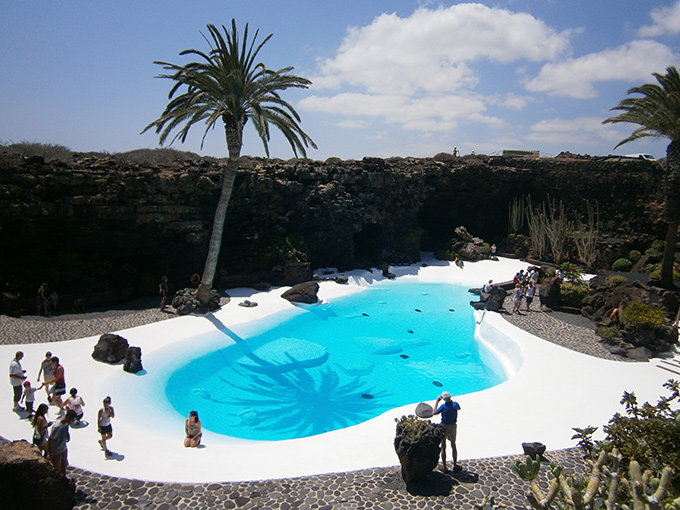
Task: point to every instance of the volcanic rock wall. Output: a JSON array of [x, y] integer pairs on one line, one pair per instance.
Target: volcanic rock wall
[[99, 221]]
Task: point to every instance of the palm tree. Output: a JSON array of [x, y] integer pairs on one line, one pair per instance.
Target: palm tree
[[227, 84], [657, 111]]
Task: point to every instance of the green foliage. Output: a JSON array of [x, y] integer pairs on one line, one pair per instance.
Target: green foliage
[[571, 273], [449, 255], [615, 280], [572, 294], [607, 485], [656, 274], [607, 332], [413, 236], [276, 249], [412, 426], [644, 315], [486, 249], [527, 470], [649, 433], [634, 255], [658, 245], [585, 437], [622, 264]]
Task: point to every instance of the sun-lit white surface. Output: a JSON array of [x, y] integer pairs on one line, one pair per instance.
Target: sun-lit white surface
[[551, 389]]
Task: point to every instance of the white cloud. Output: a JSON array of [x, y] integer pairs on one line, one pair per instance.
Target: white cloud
[[432, 50], [354, 124], [666, 22], [587, 131], [429, 113], [510, 100], [419, 71], [631, 62]]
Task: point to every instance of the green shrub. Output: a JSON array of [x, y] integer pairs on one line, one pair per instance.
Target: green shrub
[[649, 433], [607, 332], [449, 255], [644, 315], [634, 255], [623, 265], [571, 273], [656, 274], [486, 249], [411, 425], [615, 280], [572, 294], [49, 151], [658, 245]]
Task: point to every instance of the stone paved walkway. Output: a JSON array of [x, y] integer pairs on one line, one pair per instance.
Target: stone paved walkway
[[380, 488]]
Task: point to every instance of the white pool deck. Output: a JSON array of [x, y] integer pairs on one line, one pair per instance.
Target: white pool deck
[[550, 390]]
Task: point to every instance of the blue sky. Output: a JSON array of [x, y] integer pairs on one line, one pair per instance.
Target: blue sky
[[390, 78]]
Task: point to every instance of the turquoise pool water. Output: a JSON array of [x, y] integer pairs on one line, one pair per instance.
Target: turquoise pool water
[[338, 364]]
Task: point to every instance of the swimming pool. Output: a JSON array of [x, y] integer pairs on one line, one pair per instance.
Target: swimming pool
[[337, 364]]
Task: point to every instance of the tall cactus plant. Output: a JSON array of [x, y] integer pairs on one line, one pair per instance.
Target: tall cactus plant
[[604, 487]]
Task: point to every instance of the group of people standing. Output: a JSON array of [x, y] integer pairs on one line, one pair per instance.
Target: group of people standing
[[525, 289], [51, 437]]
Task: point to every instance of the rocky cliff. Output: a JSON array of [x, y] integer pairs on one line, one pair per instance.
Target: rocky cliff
[[100, 221]]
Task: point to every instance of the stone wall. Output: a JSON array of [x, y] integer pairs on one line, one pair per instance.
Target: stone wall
[[99, 222]]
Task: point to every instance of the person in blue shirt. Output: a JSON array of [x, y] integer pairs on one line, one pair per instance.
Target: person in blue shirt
[[449, 411]]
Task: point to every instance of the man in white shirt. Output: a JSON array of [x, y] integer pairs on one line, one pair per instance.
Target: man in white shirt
[[17, 375]]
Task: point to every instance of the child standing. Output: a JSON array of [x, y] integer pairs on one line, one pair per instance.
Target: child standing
[[29, 397], [104, 424]]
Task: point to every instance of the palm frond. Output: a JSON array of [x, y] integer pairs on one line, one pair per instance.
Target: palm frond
[[229, 83], [656, 110]]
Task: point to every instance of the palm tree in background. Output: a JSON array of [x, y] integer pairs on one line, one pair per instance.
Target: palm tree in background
[[227, 84], [657, 111]]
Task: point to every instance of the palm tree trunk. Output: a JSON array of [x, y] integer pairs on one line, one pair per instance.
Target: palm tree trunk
[[671, 212], [233, 134], [669, 255]]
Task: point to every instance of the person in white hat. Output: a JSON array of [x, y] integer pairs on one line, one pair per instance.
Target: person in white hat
[[449, 411]]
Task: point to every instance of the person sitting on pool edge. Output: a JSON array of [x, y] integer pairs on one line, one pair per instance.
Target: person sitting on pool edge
[[192, 428], [449, 411]]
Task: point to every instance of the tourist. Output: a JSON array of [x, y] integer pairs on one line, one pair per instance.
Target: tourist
[[16, 378], [104, 424], [58, 382], [517, 297], [51, 302], [41, 300], [40, 426], [78, 304], [487, 287], [192, 428], [449, 411], [163, 291], [29, 397], [534, 276], [75, 403], [56, 444], [493, 252], [530, 295], [46, 372]]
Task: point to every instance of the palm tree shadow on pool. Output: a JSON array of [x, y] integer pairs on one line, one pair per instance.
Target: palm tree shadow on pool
[[298, 401]]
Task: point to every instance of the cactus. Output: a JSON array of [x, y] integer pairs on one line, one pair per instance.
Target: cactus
[[604, 487]]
